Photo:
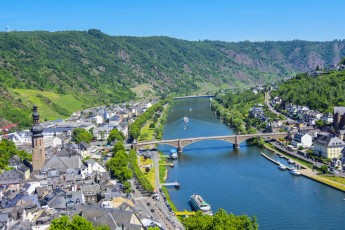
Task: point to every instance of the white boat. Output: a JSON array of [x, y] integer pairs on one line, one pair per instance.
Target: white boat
[[198, 203], [291, 161], [295, 172], [173, 154], [185, 119], [281, 166]]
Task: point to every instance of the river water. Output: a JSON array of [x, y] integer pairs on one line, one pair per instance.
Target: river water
[[242, 181]]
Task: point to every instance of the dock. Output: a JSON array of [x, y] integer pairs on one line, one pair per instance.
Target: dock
[[306, 172], [168, 164], [184, 213], [274, 161], [171, 184]]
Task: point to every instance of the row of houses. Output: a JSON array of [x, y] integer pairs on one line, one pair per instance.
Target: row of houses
[[64, 186]]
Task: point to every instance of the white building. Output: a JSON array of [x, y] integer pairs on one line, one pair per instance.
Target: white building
[[98, 119], [304, 140]]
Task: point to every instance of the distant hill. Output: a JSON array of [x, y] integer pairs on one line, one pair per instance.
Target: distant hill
[[94, 68]]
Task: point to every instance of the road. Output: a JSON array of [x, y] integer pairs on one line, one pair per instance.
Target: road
[[273, 110], [156, 209]]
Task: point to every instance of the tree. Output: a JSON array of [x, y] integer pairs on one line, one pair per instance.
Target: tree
[[115, 135], [77, 223], [118, 166], [220, 220], [119, 146], [81, 135], [127, 187], [147, 169], [324, 168]]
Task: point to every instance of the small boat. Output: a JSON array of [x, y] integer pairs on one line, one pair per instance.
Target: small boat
[[173, 154], [281, 156], [185, 119], [295, 172], [291, 161], [281, 166]]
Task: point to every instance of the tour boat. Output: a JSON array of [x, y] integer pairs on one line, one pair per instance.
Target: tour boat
[[295, 172], [198, 203]]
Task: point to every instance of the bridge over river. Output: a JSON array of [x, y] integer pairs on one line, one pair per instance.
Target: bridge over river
[[234, 139]]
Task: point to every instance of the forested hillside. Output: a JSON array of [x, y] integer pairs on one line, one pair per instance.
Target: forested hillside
[[321, 93], [93, 68]]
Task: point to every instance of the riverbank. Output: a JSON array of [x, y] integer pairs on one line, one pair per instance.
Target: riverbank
[[308, 172]]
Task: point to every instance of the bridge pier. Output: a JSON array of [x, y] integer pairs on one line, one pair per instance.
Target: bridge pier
[[179, 146], [236, 146]]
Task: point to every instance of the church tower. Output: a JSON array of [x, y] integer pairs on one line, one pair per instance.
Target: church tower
[[38, 151]]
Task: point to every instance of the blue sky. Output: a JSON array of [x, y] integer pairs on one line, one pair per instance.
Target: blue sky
[[226, 20]]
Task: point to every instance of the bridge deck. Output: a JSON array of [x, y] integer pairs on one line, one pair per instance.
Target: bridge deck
[[194, 139]]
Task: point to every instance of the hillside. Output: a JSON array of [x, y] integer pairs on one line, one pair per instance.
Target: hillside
[[321, 93], [94, 68]]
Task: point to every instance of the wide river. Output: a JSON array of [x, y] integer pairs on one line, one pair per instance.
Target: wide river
[[242, 181]]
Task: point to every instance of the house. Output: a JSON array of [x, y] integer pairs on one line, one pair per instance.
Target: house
[[14, 162], [92, 167], [328, 118], [302, 140], [85, 149], [98, 119], [90, 192], [102, 133], [328, 146], [114, 218], [273, 126], [24, 171], [10, 177], [115, 120]]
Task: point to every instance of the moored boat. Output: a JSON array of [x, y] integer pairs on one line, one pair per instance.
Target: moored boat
[[291, 161], [198, 203], [295, 172], [173, 154], [281, 166]]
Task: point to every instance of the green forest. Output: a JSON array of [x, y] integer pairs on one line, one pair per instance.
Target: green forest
[[89, 68], [320, 93]]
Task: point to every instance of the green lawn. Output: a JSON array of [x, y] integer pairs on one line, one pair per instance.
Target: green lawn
[[335, 178], [147, 134]]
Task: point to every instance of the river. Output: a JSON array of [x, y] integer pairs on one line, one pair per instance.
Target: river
[[241, 181]]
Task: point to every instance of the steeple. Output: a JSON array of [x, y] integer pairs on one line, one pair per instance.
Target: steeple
[[36, 129], [38, 151]]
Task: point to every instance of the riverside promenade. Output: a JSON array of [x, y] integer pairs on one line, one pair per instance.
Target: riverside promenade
[[309, 173]]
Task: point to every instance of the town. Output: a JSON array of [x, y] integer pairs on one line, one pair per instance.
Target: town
[[70, 178]]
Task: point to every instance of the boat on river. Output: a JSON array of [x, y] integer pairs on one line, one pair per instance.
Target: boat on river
[[295, 172], [198, 203], [281, 166], [291, 161], [173, 154], [185, 119]]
